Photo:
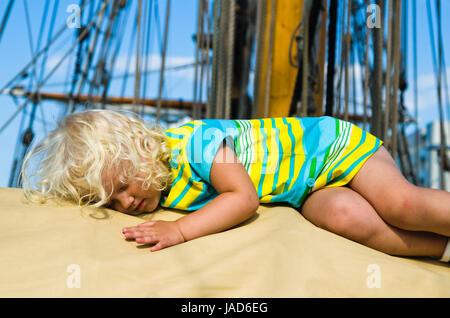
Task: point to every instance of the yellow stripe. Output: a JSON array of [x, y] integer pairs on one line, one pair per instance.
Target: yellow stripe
[[256, 149], [283, 170], [299, 151], [177, 188]]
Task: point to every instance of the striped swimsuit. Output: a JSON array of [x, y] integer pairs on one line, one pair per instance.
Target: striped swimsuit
[[286, 158]]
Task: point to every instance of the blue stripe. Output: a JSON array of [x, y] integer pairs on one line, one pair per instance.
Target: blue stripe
[[292, 154], [264, 165], [180, 173], [173, 135], [280, 157], [182, 194]]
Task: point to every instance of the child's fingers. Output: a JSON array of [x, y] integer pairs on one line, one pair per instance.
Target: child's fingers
[[149, 239], [149, 223], [133, 228], [157, 247]]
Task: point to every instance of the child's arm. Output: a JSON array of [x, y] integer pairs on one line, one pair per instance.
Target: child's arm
[[237, 201]]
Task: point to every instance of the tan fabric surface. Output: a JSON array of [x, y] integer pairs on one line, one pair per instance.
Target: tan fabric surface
[[276, 254]]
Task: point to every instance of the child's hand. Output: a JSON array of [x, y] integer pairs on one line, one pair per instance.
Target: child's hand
[[161, 233]]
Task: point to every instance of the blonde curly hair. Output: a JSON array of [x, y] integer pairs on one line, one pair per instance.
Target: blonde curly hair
[[71, 163]]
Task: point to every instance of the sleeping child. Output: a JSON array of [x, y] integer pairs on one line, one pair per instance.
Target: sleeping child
[[337, 175]]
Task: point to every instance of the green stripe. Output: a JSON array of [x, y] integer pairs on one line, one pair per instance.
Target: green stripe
[[239, 148], [312, 172]]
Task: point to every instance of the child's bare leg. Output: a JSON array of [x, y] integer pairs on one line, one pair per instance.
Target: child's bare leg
[[344, 212], [399, 202]]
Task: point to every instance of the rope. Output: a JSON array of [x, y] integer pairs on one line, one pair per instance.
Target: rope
[[388, 79], [441, 111], [23, 105], [396, 60], [230, 56], [5, 17], [332, 30], [260, 25], [348, 45], [416, 99], [366, 75], [302, 109], [376, 91], [195, 110], [147, 49], [33, 60], [90, 54], [210, 112], [125, 76], [269, 59], [163, 62], [438, 73], [137, 66]]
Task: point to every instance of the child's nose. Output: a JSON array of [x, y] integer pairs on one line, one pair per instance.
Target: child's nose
[[126, 200]]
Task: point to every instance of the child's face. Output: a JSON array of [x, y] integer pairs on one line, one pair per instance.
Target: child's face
[[131, 198]]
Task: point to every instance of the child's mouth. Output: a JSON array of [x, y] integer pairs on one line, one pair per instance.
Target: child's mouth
[[140, 205]]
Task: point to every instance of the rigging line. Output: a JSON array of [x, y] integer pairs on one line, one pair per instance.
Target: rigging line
[[143, 61], [163, 61], [99, 72], [302, 111], [158, 26], [443, 153], [128, 62], [444, 73], [221, 59], [147, 48], [60, 31], [348, 46], [117, 49], [332, 30], [212, 110], [78, 61], [208, 59], [33, 76], [50, 33], [416, 98], [87, 65], [431, 33], [5, 17], [197, 49], [68, 73], [438, 81], [366, 73], [19, 109], [395, 82], [230, 57], [387, 98], [41, 32], [117, 35], [353, 63], [136, 70], [341, 67], [204, 50]]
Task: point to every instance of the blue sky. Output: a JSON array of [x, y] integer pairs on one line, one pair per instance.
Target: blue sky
[[15, 53]]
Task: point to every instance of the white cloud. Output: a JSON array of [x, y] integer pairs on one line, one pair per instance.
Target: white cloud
[[154, 64]]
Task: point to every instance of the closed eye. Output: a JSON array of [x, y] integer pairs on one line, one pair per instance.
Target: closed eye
[[122, 188]]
